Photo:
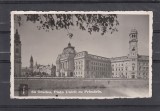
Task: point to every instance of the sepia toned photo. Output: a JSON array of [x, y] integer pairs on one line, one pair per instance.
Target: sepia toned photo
[[81, 55]]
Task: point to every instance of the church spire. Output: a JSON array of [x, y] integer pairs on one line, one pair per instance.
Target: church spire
[[31, 64], [31, 59]]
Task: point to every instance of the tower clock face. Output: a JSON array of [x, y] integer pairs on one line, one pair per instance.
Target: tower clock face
[[133, 49]]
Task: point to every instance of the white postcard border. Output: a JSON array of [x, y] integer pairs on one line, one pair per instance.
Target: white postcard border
[[150, 13]]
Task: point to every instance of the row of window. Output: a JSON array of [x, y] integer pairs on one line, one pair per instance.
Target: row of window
[[122, 64], [125, 74], [118, 64], [100, 74], [99, 63], [100, 68], [78, 62], [143, 74], [78, 67], [120, 69], [143, 63], [78, 76], [143, 68], [78, 73], [133, 68]]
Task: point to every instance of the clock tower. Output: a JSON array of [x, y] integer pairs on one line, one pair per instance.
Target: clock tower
[[133, 53], [17, 55], [133, 47]]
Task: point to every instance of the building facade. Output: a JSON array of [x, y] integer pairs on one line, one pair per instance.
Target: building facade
[[17, 55], [65, 62], [91, 66], [83, 65]]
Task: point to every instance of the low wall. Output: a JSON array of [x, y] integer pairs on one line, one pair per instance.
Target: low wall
[[73, 83]]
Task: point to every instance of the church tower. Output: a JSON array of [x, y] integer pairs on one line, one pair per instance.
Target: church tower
[[133, 53], [53, 71], [133, 43], [17, 55], [31, 64]]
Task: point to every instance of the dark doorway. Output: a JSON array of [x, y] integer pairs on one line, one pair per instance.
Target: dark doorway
[[71, 74], [133, 76]]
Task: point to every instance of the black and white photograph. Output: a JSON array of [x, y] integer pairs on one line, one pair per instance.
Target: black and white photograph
[[81, 54]]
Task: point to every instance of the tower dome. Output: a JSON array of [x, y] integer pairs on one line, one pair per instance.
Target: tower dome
[[69, 49]]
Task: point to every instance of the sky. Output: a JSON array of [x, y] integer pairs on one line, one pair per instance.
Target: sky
[[46, 46]]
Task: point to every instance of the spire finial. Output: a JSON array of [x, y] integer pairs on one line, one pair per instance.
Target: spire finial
[[69, 44]]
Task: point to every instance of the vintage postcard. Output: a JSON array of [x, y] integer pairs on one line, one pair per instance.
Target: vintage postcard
[[81, 54]]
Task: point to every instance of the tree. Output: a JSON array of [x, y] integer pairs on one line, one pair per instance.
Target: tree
[[103, 23]]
